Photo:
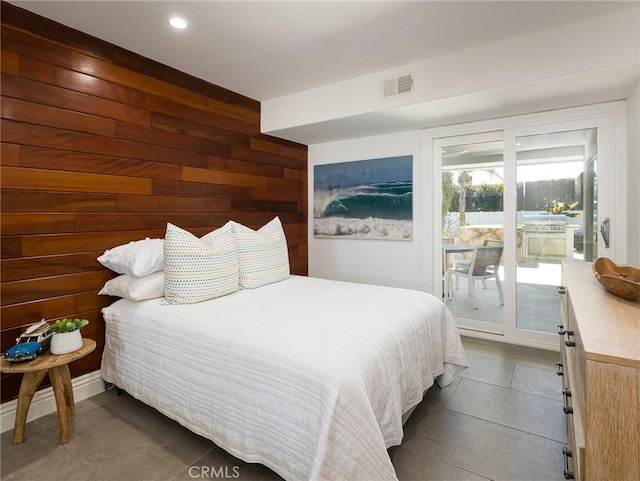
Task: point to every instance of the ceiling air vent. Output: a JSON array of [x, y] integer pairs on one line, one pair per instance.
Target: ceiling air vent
[[397, 86]]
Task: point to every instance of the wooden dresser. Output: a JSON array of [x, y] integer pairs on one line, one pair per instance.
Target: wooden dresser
[[600, 347]]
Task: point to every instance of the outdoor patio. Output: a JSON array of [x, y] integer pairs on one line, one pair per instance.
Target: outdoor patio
[[538, 303]]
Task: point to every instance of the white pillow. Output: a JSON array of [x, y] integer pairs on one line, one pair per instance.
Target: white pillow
[[264, 257], [199, 269], [137, 258], [135, 288]]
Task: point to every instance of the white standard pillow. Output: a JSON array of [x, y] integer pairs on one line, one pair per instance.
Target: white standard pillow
[[199, 269], [135, 288], [137, 258], [264, 257]]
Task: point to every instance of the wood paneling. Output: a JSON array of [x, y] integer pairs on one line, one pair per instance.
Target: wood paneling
[[101, 146], [54, 180], [38, 201], [31, 112], [44, 266], [10, 154], [72, 101], [55, 159]]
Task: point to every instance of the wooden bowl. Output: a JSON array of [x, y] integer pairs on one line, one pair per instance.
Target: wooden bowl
[[623, 281]]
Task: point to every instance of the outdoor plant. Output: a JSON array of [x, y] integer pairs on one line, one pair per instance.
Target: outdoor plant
[[68, 325], [559, 207]]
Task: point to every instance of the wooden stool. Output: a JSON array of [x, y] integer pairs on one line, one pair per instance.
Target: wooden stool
[[34, 371]]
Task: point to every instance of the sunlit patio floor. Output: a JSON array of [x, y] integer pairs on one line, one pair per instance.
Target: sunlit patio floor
[[537, 300]]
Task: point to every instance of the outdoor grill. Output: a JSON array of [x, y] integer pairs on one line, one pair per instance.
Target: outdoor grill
[[544, 223], [547, 237]]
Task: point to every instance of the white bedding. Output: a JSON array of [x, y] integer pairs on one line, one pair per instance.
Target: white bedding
[[309, 377]]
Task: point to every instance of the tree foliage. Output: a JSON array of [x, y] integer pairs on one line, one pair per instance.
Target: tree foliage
[[448, 192], [480, 198]]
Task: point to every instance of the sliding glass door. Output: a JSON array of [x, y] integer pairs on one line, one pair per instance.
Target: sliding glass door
[[515, 203], [553, 179], [556, 218], [473, 216]]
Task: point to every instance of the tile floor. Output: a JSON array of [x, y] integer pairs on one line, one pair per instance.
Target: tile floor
[[500, 420]]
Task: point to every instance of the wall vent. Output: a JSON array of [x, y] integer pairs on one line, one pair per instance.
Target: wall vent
[[397, 86]]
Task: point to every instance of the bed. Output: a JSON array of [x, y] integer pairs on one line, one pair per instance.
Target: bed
[[309, 377]]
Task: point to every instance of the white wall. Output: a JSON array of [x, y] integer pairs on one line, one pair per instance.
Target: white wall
[[633, 150], [400, 263], [383, 262]]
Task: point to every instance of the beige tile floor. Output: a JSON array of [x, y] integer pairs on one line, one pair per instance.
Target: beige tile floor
[[500, 420]]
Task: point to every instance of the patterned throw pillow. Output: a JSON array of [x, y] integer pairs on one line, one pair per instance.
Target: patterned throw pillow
[[264, 257], [199, 269]]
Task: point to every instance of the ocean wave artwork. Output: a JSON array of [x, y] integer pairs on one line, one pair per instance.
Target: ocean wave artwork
[[365, 199]]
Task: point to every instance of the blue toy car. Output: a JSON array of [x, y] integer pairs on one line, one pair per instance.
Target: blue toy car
[[34, 341]]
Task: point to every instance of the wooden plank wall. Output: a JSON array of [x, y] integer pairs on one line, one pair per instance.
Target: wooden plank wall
[[100, 147]]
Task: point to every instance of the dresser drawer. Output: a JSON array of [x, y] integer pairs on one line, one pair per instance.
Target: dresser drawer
[[574, 417], [601, 379], [574, 352], [568, 452], [572, 369], [574, 452]]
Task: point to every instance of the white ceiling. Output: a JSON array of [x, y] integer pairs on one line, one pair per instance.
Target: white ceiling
[[268, 49]]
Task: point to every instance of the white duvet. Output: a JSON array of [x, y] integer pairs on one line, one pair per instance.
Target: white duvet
[[309, 377]]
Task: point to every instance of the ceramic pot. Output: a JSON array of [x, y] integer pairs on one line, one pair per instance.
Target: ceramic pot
[[64, 342]]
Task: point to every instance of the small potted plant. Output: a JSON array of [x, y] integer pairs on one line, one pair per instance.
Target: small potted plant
[[66, 335]]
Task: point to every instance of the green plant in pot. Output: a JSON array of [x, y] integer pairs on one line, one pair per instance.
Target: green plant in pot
[[66, 335]]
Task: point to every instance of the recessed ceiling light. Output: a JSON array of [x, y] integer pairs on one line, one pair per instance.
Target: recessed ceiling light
[[178, 22]]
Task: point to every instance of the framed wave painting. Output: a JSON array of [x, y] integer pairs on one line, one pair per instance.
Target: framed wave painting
[[364, 199]]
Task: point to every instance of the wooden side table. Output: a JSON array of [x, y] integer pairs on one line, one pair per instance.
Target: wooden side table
[[34, 371]]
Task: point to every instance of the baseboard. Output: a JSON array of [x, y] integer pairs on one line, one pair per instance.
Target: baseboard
[[44, 402]]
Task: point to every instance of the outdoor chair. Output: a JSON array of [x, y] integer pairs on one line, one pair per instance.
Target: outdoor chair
[[484, 265], [460, 263]]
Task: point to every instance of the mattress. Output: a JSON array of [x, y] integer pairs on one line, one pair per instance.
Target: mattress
[[309, 377]]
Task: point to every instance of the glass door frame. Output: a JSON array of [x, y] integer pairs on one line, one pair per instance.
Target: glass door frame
[[439, 144], [511, 136], [608, 118]]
